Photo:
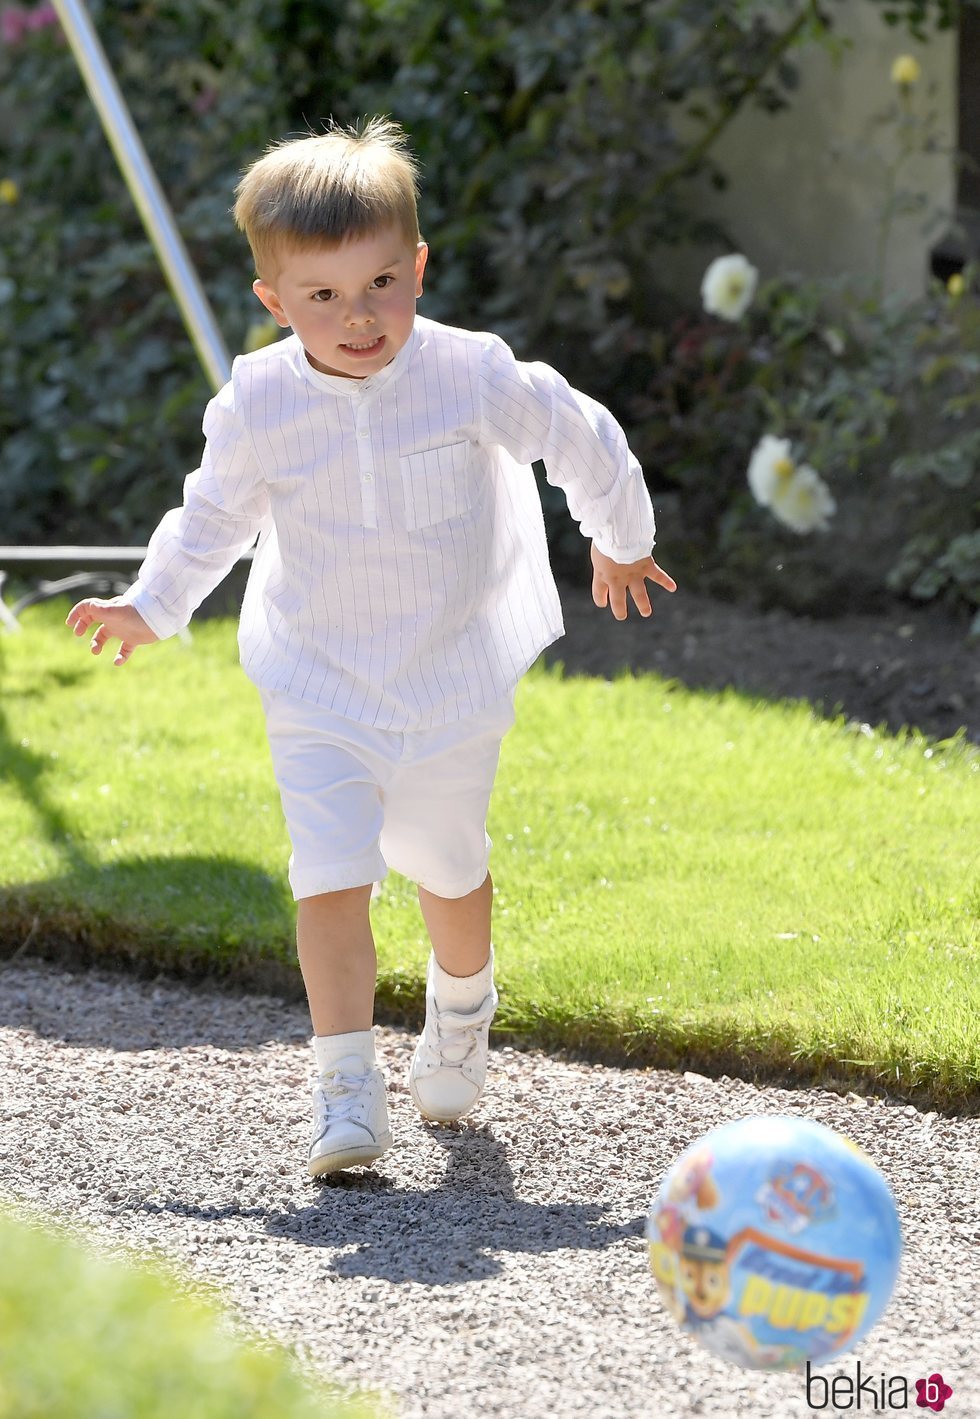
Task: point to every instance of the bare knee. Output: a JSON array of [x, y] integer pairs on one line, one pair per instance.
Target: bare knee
[[347, 901]]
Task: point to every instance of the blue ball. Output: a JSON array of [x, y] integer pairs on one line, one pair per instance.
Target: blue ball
[[774, 1242]]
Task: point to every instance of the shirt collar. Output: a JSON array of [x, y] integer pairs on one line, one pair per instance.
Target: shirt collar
[[352, 388]]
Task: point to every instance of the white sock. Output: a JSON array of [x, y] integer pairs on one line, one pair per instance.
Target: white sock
[[329, 1048], [463, 993]]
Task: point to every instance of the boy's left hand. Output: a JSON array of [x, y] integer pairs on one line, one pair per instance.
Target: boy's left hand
[[611, 581]]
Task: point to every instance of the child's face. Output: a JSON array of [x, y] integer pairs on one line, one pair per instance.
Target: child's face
[[352, 306]]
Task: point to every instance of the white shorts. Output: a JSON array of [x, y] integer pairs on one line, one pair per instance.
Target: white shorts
[[358, 800]]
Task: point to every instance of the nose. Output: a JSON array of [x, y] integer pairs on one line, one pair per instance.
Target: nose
[[359, 313]]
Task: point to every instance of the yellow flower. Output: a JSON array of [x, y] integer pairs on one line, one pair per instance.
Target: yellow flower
[[956, 285], [260, 333], [906, 70], [9, 191]]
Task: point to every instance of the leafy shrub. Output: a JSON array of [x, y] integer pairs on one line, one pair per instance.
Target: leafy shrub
[[881, 397], [101, 394], [558, 142], [85, 1338], [558, 150]]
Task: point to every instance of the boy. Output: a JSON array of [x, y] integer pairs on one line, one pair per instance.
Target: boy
[[400, 589]]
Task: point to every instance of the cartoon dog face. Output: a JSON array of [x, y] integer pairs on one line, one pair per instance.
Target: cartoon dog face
[[706, 1285]]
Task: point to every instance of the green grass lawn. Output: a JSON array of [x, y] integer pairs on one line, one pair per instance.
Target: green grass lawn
[[682, 878]]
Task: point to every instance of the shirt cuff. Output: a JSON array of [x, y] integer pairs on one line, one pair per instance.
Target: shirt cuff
[[162, 625], [636, 552]]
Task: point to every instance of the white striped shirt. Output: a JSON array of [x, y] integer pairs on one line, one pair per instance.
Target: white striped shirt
[[402, 575]]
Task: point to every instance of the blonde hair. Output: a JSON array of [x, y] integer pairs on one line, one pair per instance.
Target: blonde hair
[[325, 187]]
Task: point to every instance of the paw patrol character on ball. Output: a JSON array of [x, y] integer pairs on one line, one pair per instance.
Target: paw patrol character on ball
[[704, 1279], [774, 1242]]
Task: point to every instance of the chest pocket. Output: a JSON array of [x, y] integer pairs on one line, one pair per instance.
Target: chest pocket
[[438, 483]]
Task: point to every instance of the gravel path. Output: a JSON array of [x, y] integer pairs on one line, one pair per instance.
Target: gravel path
[[496, 1267]]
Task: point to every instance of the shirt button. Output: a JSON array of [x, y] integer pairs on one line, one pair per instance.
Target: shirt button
[[367, 478], [363, 433]]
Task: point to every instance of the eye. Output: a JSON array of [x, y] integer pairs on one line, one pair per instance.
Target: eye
[[382, 281], [324, 295]]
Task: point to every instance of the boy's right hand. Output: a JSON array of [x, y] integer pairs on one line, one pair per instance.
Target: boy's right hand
[[112, 619]]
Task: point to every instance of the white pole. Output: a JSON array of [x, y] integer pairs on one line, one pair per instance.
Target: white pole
[[145, 190]]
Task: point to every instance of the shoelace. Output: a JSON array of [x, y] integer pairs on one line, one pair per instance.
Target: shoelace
[[337, 1093], [459, 1036]]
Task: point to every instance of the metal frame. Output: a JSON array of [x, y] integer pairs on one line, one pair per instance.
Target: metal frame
[[103, 577], [98, 580], [145, 190], [195, 309]]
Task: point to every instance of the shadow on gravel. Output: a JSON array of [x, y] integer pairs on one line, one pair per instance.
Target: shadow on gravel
[[439, 1236], [471, 1217], [168, 1016]]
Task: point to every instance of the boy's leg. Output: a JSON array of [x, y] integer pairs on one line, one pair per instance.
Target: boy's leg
[[338, 959], [435, 834], [339, 965], [330, 773], [459, 928], [449, 1067]]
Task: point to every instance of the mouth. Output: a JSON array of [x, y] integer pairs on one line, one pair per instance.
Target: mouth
[[363, 347]]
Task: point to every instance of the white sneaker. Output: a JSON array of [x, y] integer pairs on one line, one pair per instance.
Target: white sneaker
[[449, 1067], [350, 1116]]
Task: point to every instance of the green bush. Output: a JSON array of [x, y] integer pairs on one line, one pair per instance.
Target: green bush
[[558, 145], [559, 142], [559, 148], [101, 394], [82, 1337], [882, 398]]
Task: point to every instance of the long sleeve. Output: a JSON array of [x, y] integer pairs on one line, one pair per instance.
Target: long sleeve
[[195, 546], [532, 411]]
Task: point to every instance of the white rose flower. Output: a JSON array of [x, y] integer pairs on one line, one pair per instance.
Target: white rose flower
[[728, 287], [770, 468], [803, 501]]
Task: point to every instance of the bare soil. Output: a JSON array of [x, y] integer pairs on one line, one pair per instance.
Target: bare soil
[[908, 667]]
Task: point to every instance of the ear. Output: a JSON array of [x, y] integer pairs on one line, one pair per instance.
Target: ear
[[271, 302], [421, 257]]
